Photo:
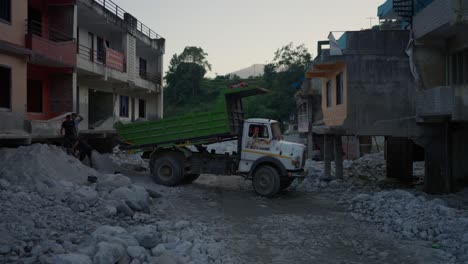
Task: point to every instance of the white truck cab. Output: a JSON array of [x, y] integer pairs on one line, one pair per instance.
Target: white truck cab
[[263, 152]]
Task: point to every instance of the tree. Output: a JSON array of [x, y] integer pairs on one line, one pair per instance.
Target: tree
[[289, 57], [288, 66], [186, 71]]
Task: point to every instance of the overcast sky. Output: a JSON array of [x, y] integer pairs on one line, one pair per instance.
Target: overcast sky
[[239, 33]]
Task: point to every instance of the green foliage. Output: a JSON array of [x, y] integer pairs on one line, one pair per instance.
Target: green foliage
[[289, 65], [187, 90]]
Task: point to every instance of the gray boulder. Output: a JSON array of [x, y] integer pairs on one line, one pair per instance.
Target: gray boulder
[[133, 193], [71, 259], [111, 182], [148, 236], [108, 253], [82, 198], [164, 259], [136, 252]]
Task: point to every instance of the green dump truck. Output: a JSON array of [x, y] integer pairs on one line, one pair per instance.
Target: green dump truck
[[179, 153]]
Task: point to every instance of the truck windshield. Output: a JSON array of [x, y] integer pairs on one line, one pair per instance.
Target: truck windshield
[[276, 130]]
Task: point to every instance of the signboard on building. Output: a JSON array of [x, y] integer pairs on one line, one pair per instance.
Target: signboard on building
[[115, 60]]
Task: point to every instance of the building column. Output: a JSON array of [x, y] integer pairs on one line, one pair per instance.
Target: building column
[[310, 137], [399, 159], [327, 154], [437, 171], [338, 150]]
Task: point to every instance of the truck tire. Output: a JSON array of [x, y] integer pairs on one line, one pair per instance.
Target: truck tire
[[189, 178], [266, 181], [286, 182], [168, 170]]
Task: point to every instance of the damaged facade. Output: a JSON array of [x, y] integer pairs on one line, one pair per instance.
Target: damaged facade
[[83, 56], [408, 85]]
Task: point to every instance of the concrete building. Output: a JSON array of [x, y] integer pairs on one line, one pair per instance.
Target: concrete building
[[120, 63], [84, 56], [407, 85], [366, 89], [13, 69], [438, 53]]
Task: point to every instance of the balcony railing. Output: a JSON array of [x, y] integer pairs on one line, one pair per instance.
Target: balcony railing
[[50, 43], [151, 77], [108, 57], [39, 29], [124, 15]]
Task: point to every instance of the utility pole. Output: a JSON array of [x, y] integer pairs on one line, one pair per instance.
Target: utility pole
[[370, 20]]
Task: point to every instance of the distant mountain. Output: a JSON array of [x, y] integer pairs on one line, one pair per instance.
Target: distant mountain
[[254, 70]]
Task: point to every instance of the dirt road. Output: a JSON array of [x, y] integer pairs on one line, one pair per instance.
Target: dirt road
[[296, 227]]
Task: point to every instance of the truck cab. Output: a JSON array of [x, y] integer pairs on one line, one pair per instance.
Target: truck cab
[[265, 155]]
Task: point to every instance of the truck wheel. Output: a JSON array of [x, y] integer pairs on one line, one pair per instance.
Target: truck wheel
[[189, 178], [266, 181], [168, 171], [286, 182]]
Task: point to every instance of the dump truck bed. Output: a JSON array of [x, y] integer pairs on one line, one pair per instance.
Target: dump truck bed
[[224, 122]]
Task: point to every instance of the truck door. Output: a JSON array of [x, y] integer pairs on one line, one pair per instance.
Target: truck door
[[256, 144]]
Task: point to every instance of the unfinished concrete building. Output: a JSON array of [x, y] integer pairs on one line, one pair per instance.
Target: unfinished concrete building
[[366, 89], [84, 56], [120, 63], [409, 85], [38, 60]]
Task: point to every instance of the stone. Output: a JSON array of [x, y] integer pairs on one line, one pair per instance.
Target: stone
[[108, 210], [4, 184], [5, 249], [135, 261], [124, 209], [134, 206], [71, 258], [181, 224], [109, 230], [360, 198], [85, 195], [37, 250], [165, 258], [335, 184], [152, 193], [108, 253], [136, 252], [148, 236], [133, 193], [158, 250], [111, 182]]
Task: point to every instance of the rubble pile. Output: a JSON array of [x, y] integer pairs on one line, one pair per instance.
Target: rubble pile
[[411, 216], [370, 167], [50, 213]]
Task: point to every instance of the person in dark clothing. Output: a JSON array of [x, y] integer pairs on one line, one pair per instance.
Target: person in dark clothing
[[84, 150], [68, 126]]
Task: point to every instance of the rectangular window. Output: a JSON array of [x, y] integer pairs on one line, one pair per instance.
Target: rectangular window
[[91, 46], [5, 87], [143, 73], [258, 131], [141, 108], [5, 10], [34, 96], [329, 94], [339, 89], [124, 106]]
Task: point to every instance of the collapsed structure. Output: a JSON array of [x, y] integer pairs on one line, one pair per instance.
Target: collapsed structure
[[407, 80], [84, 56]]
